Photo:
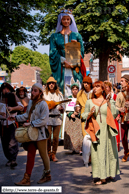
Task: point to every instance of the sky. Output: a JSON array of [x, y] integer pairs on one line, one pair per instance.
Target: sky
[[41, 48]]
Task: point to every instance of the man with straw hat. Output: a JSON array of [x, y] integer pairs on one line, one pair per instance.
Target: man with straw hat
[[53, 93]]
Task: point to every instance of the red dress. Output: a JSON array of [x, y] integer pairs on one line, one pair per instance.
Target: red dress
[[117, 125]]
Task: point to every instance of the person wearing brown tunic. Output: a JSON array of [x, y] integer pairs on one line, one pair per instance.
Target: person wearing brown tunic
[[73, 134], [83, 95]]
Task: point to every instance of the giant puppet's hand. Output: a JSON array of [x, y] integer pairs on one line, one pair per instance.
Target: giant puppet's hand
[[66, 63], [73, 40]]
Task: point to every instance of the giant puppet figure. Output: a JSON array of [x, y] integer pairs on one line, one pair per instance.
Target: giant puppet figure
[[62, 70]]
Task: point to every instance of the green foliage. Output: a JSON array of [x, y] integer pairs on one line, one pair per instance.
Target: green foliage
[[4, 67], [16, 23], [103, 25], [42, 61], [21, 54]]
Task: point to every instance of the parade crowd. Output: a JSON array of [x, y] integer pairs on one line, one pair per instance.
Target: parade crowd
[[92, 119]]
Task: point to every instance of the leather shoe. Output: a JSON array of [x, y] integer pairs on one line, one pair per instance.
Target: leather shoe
[[13, 164], [124, 159], [45, 177], [54, 158], [25, 181]]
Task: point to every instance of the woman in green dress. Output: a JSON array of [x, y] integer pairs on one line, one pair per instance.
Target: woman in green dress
[[62, 70], [104, 155]]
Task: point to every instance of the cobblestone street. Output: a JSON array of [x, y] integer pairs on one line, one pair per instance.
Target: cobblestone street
[[69, 173]]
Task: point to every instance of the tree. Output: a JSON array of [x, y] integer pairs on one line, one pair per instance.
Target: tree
[[42, 61], [22, 54], [102, 24], [16, 23]]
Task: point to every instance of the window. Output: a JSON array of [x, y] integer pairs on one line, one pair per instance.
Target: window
[[125, 61]]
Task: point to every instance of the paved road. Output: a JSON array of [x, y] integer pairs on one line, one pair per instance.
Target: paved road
[[69, 173]]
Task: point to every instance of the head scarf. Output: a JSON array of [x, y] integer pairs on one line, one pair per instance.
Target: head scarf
[[39, 86], [73, 26]]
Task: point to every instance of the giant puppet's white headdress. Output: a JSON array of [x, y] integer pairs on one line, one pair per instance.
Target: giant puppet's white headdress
[[73, 26]]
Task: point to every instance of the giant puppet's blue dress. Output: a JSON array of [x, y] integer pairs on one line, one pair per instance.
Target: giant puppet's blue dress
[[57, 50]]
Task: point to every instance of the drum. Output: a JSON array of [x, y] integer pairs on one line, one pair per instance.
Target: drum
[[26, 134]]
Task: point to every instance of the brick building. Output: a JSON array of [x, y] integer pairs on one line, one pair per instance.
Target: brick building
[[92, 68], [86, 59], [122, 67], [25, 75]]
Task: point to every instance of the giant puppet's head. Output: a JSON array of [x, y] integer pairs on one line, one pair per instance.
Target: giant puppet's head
[[65, 12]]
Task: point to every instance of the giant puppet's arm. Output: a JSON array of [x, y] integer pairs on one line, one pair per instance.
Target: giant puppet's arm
[[79, 39], [54, 56], [55, 62]]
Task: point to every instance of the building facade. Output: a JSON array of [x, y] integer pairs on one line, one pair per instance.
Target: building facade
[[122, 67], [25, 76]]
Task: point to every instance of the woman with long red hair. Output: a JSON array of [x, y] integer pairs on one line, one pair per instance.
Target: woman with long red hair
[[99, 115]]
